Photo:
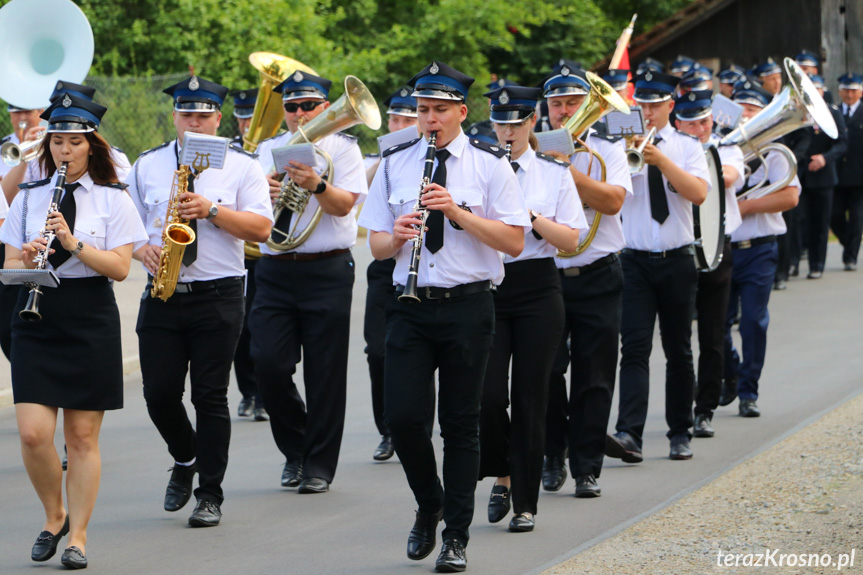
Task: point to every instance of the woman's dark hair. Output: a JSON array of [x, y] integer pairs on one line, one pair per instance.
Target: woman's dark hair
[[101, 166]]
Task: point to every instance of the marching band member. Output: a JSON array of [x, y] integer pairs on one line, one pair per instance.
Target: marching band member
[[592, 284], [197, 328], [452, 325], [649, 64], [847, 219], [809, 62], [96, 228], [619, 82], [681, 65], [695, 117], [698, 77], [529, 317], [303, 302], [244, 109], [728, 77], [755, 260], [660, 272]]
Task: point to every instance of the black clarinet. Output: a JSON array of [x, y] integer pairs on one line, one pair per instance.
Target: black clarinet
[[410, 293], [31, 310]]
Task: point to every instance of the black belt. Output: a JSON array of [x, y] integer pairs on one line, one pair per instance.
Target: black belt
[[451, 292], [746, 244], [190, 287], [295, 257], [600, 263], [675, 253]]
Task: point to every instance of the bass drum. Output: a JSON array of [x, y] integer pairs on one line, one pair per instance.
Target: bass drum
[[710, 217]]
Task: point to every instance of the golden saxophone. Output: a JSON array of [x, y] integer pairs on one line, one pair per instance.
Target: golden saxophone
[[176, 235]]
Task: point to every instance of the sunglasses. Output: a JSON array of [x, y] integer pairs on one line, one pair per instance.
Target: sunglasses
[[305, 106]]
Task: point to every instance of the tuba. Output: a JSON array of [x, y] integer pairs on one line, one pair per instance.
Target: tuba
[[601, 101], [797, 106], [356, 106], [176, 235]]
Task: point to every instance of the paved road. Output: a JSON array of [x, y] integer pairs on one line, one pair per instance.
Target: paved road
[[360, 527]]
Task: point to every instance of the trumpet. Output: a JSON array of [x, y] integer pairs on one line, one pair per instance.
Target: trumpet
[[410, 293], [635, 156], [13, 154]]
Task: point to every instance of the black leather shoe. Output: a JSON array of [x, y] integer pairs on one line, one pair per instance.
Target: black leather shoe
[[553, 473], [206, 514], [522, 522], [622, 446], [749, 409], [586, 486], [498, 503], [423, 536], [180, 487], [259, 413], [73, 558], [385, 449], [292, 474], [702, 427], [313, 485], [729, 391], [452, 558], [46, 543], [680, 449], [247, 404]]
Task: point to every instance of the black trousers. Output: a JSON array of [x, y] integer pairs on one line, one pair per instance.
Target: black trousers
[[663, 287], [814, 213], [381, 289], [8, 298], [302, 310], [847, 220], [197, 332], [244, 367], [783, 243], [528, 326], [592, 311], [453, 336], [711, 304]]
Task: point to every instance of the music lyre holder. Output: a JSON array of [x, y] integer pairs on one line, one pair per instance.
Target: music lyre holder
[[30, 278]]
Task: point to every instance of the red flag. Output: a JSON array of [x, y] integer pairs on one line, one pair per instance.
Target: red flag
[[624, 65]]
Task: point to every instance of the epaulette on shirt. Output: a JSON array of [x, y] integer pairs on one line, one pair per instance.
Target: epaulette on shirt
[[240, 149], [548, 158], [400, 147], [30, 185], [117, 185], [600, 131], [116, 149], [486, 147], [271, 138], [159, 147], [5, 139], [348, 136], [374, 155], [688, 135]]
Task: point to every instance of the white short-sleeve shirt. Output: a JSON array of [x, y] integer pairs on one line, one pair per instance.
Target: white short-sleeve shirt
[[760, 225]]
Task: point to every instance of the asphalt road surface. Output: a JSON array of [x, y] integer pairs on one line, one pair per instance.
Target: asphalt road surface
[[361, 525]]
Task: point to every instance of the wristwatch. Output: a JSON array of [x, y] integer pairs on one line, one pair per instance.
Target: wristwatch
[[321, 188], [78, 249], [533, 215], [214, 211]]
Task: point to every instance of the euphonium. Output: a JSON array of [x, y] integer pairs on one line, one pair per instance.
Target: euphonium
[[356, 106], [176, 235], [601, 101]]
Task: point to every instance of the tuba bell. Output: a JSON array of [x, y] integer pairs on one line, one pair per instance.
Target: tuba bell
[[600, 101], [797, 106]]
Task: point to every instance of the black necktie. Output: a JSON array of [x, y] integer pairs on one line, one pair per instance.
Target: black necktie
[[515, 167], [434, 222], [68, 209], [847, 112], [191, 253], [658, 201]]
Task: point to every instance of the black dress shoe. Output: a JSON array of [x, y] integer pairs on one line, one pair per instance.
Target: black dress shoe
[[46, 543], [498, 503], [385, 449], [586, 486], [452, 558], [292, 474], [702, 427], [680, 449], [73, 558], [206, 514], [729, 391], [179, 487], [259, 413], [522, 522], [553, 473], [247, 404], [749, 409], [423, 536], [313, 485], [622, 446]]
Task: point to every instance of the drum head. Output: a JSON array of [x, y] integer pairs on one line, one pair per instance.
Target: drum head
[[710, 217]]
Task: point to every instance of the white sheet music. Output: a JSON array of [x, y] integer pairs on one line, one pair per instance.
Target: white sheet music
[[202, 152], [620, 124], [555, 141], [302, 153], [396, 138], [726, 113]]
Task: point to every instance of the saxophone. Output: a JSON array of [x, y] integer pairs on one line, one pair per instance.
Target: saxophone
[[176, 235]]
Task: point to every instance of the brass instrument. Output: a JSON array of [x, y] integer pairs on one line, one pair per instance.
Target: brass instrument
[[176, 235], [600, 101], [410, 293], [13, 154], [356, 106], [268, 113], [798, 105], [31, 310], [635, 156]]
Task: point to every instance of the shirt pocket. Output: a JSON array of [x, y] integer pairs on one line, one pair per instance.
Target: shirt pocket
[[403, 199], [469, 199], [222, 197], [92, 232]]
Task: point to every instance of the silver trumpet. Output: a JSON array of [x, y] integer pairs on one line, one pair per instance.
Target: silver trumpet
[[14, 154], [410, 293], [635, 156]]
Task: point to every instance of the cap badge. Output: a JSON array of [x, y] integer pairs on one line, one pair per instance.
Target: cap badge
[[692, 96], [501, 82], [648, 76], [242, 95], [404, 93], [504, 98], [194, 84], [67, 101], [298, 76], [564, 71], [747, 85], [474, 131], [59, 86], [434, 69]]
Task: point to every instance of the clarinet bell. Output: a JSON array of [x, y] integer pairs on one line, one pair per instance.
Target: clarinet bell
[[30, 312]]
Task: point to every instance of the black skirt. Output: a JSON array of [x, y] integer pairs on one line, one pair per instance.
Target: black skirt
[[72, 358]]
